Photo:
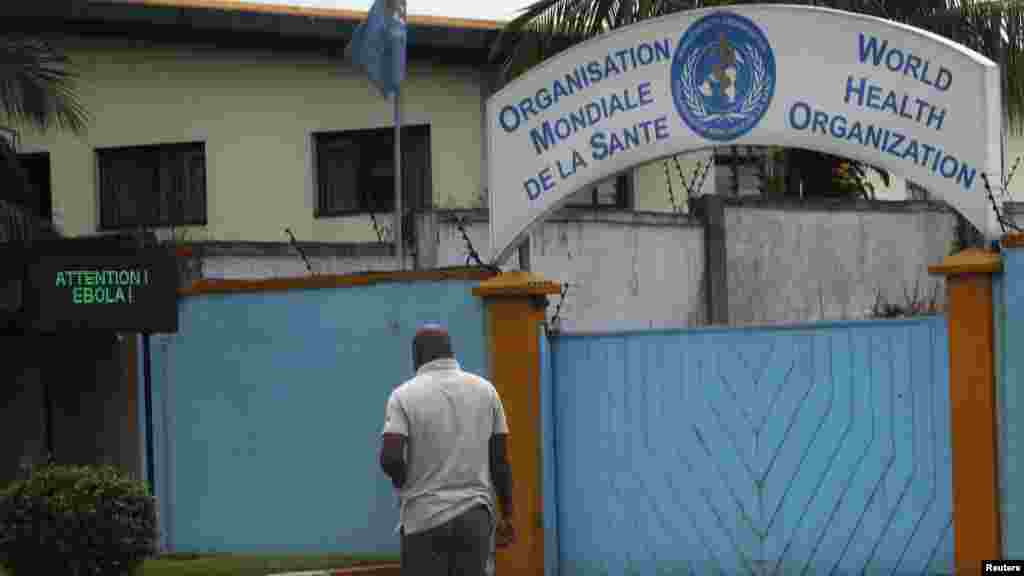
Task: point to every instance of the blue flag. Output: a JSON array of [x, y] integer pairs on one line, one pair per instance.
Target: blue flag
[[378, 45]]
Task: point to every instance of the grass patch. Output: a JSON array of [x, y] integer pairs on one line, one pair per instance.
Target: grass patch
[[251, 564]]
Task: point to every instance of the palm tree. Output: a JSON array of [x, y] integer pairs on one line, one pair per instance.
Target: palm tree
[[994, 28], [37, 91]]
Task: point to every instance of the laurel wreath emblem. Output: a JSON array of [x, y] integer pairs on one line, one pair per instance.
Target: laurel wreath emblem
[[759, 86]]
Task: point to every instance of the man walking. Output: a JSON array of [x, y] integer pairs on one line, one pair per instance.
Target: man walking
[[444, 446]]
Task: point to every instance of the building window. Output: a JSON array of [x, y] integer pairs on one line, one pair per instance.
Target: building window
[[614, 193], [152, 186], [355, 171]]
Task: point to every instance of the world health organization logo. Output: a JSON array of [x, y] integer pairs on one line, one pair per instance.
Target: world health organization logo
[[723, 76]]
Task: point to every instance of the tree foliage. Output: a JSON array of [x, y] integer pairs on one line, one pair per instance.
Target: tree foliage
[[38, 90]]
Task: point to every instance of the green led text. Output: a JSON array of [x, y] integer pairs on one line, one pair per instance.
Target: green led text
[[102, 286]]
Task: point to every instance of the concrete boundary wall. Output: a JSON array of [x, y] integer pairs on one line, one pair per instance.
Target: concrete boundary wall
[[821, 260], [733, 261]]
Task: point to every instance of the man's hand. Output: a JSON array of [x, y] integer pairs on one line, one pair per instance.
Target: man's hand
[[392, 458], [505, 533], [501, 472]]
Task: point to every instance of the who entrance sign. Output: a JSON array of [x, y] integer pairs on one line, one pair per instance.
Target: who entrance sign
[[887, 94]]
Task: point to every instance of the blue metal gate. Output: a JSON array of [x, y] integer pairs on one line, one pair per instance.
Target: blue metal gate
[[810, 449]]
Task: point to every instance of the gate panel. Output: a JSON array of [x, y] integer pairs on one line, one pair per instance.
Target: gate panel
[[269, 407], [810, 449]]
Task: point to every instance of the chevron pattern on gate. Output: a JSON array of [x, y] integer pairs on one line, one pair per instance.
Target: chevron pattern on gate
[[812, 449]]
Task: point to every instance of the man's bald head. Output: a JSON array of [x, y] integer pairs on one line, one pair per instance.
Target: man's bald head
[[431, 343]]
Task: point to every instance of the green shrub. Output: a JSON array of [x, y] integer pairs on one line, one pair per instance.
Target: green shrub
[[76, 521]]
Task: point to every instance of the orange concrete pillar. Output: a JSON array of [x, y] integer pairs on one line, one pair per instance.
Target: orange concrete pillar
[[972, 391], [516, 303]]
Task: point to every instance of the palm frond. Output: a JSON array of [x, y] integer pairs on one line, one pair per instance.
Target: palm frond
[[38, 87], [994, 28], [546, 27]]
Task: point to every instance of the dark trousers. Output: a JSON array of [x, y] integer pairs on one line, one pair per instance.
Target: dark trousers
[[459, 547]]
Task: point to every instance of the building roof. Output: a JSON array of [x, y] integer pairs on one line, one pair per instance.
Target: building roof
[[240, 6], [231, 22]]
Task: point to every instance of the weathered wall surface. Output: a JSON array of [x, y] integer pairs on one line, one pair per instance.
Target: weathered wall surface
[[624, 271], [624, 275], [228, 265], [798, 265], [785, 263]]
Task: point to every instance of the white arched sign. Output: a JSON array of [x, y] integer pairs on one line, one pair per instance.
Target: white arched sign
[[890, 95]]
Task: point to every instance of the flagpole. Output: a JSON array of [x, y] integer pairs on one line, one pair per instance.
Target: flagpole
[[384, 33], [399, 243]]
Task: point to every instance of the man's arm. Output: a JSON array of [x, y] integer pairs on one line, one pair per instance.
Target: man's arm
[[392, 458], [393, 441], [501, 473]]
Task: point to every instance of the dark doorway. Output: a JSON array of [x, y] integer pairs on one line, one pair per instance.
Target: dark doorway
[[82, 410]]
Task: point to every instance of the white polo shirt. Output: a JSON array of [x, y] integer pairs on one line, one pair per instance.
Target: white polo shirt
[[448, 416]]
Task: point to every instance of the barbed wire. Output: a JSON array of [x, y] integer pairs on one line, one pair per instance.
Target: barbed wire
[[701, 171], [291, 238], [1005, 224], [554, 324], [992, 200], [378, 229], [472, 256], [682, 179], [1010, 222], [762, 176], [671, 193], [1013, 171]]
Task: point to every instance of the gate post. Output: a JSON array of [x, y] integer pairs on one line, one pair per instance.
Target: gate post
[[969, 311], [1010, 326], [516, 304]]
